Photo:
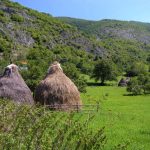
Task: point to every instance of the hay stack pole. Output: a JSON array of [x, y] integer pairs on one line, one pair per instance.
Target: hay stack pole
[[57, 89], [12, 86]]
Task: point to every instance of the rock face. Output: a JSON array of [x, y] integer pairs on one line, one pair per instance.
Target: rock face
[[13, 87]]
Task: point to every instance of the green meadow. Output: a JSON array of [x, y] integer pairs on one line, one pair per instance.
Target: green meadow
[[126, 118]]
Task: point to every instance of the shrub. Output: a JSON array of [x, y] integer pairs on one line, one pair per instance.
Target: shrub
[[134, 87], [17, 18], [26, 127], [139, 85], [136, 69], [1, 13], [72, 72]]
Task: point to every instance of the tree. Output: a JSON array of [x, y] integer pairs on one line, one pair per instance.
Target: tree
[[104, 70], [134, 87], [144, 81], [136, 69], [139, 84], [148, 59], [39, 60], [73, 73], [38, 63]]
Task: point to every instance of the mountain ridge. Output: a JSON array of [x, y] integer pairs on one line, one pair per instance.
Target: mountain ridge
[[22, 29], [110, 27]]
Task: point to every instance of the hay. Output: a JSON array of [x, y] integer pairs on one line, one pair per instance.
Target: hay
[[123, 82], [12, 86], [57, 89]]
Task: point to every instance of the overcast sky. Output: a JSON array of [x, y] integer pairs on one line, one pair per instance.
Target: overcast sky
[[137, 10]]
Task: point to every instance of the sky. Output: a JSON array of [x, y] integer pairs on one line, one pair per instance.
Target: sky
[[136, 10]]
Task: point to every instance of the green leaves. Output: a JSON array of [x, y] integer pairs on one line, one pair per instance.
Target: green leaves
[[139, 84], [17, 18], [104, 70], [136, 69], [25, 127]]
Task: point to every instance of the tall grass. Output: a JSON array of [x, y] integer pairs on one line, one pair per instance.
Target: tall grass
[[24, 127]]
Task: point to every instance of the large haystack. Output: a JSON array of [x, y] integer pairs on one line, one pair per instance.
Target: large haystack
[[57, 89], [12, 86]]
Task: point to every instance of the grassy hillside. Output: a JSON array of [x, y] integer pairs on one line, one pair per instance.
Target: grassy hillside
[[22, 29]]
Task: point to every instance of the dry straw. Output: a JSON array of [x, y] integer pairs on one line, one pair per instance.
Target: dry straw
[[12, 86], [57, 90]]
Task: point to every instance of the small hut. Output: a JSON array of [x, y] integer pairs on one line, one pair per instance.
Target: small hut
[[13, 87], [57, 90]]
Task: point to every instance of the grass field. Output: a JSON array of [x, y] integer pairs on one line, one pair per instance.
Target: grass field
[[126, 118]]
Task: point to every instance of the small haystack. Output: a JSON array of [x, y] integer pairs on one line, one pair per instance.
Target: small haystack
[[57, 90], [12, 86], [123, 82]]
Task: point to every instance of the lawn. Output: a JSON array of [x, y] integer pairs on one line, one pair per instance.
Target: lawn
[[126, 118]]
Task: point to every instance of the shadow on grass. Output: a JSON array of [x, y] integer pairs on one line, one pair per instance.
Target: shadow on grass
[[98, 84], [130, 94]]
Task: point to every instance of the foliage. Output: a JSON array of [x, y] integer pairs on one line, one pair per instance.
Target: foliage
[[28, 28], [72, 72], [134, 87], [148, 59], [124, 41], [104, 70], [4, 46], [39, 59], [1, 13], [139, 85], [17, 18], [136, 69], [37, 63], [33, 127]]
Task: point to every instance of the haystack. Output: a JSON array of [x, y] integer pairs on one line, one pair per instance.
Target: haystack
[[13, 87], [122, 82], [57, 90]]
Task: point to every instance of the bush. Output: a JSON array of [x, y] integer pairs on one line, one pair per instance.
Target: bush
[[38, 62], [139, 85], [136, 69], [17, 18], [1, 13], [134, 87], [33, 127], [72, 72]]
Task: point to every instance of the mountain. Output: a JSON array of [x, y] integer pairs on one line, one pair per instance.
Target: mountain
[[125, 41], [130, 30], [22, 28]]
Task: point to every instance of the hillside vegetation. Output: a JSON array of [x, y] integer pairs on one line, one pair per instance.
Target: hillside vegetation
[[37, 39], [123, 40], [130, 30], [22, 29]]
